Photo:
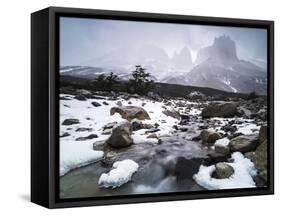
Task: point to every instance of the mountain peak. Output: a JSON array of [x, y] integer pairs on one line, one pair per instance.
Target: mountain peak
[[182, 59], [225, 47], [184, 49], [222, 51]]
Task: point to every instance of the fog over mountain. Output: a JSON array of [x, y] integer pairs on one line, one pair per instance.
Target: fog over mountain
[[218, 66], [227, 58]]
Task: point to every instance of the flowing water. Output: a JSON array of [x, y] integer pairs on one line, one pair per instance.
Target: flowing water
[[165, 167]]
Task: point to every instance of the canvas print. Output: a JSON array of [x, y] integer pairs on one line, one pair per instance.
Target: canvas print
[[149, 108]]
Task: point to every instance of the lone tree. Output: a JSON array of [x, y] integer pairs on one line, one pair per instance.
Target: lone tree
[[106, 83], [252, 95], [111, 81], [140, 84], [100, 81]]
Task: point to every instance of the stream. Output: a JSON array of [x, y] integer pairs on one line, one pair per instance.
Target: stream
[[165, 167]]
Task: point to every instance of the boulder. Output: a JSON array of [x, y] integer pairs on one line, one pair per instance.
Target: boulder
[[84, 129], [95, 97], [91, 136], [185, 168], [229, 128], [221, 146], [223, 170], [205, 126], [121, 135], [80, 97], [152, 130], [213, 137], [262, 114], [70, 121], [84, 94], [213, 158], [65, 134], [204, 135], [96, 104], [172, 113], [152, 136], [244, 143], [222, 149], [109, 125], [263, 134], [226, 110], [138, 125], [209, 137], [130, 112], [105, 103], [99, 145], [259, 158], [246, 113]]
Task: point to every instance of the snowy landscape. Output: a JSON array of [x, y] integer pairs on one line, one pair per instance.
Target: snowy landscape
[[136, 120]]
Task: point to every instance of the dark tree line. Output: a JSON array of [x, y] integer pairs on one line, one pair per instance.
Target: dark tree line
[[106, 83], [140, 83]]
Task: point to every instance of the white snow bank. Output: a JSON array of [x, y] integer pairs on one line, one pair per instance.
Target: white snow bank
[[222, 142], [121, 174], [75, 154], [194, 111], [248, 128], [244, 170]]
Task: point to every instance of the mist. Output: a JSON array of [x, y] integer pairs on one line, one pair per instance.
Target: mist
[[85, 41]]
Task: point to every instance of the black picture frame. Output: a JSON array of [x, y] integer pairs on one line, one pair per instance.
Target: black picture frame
[[45, 106]]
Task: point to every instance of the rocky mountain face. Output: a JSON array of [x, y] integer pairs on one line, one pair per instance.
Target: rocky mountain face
[[182, 60], [217, 66], [223, 51]]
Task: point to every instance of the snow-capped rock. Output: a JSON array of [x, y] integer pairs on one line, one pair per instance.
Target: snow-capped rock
[[120, 174]]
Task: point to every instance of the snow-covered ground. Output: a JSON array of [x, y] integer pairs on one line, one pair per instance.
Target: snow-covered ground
[[120, 174], [244, 171], [246, 127], [74, 154]]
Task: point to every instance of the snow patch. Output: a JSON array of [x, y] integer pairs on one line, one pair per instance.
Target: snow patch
[[227, 82], [248, 128], [222, 142], [244, 171], [194, 111], [120, 174], [75, 154]]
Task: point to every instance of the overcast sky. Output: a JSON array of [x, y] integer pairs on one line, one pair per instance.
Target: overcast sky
[[82, 39]]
